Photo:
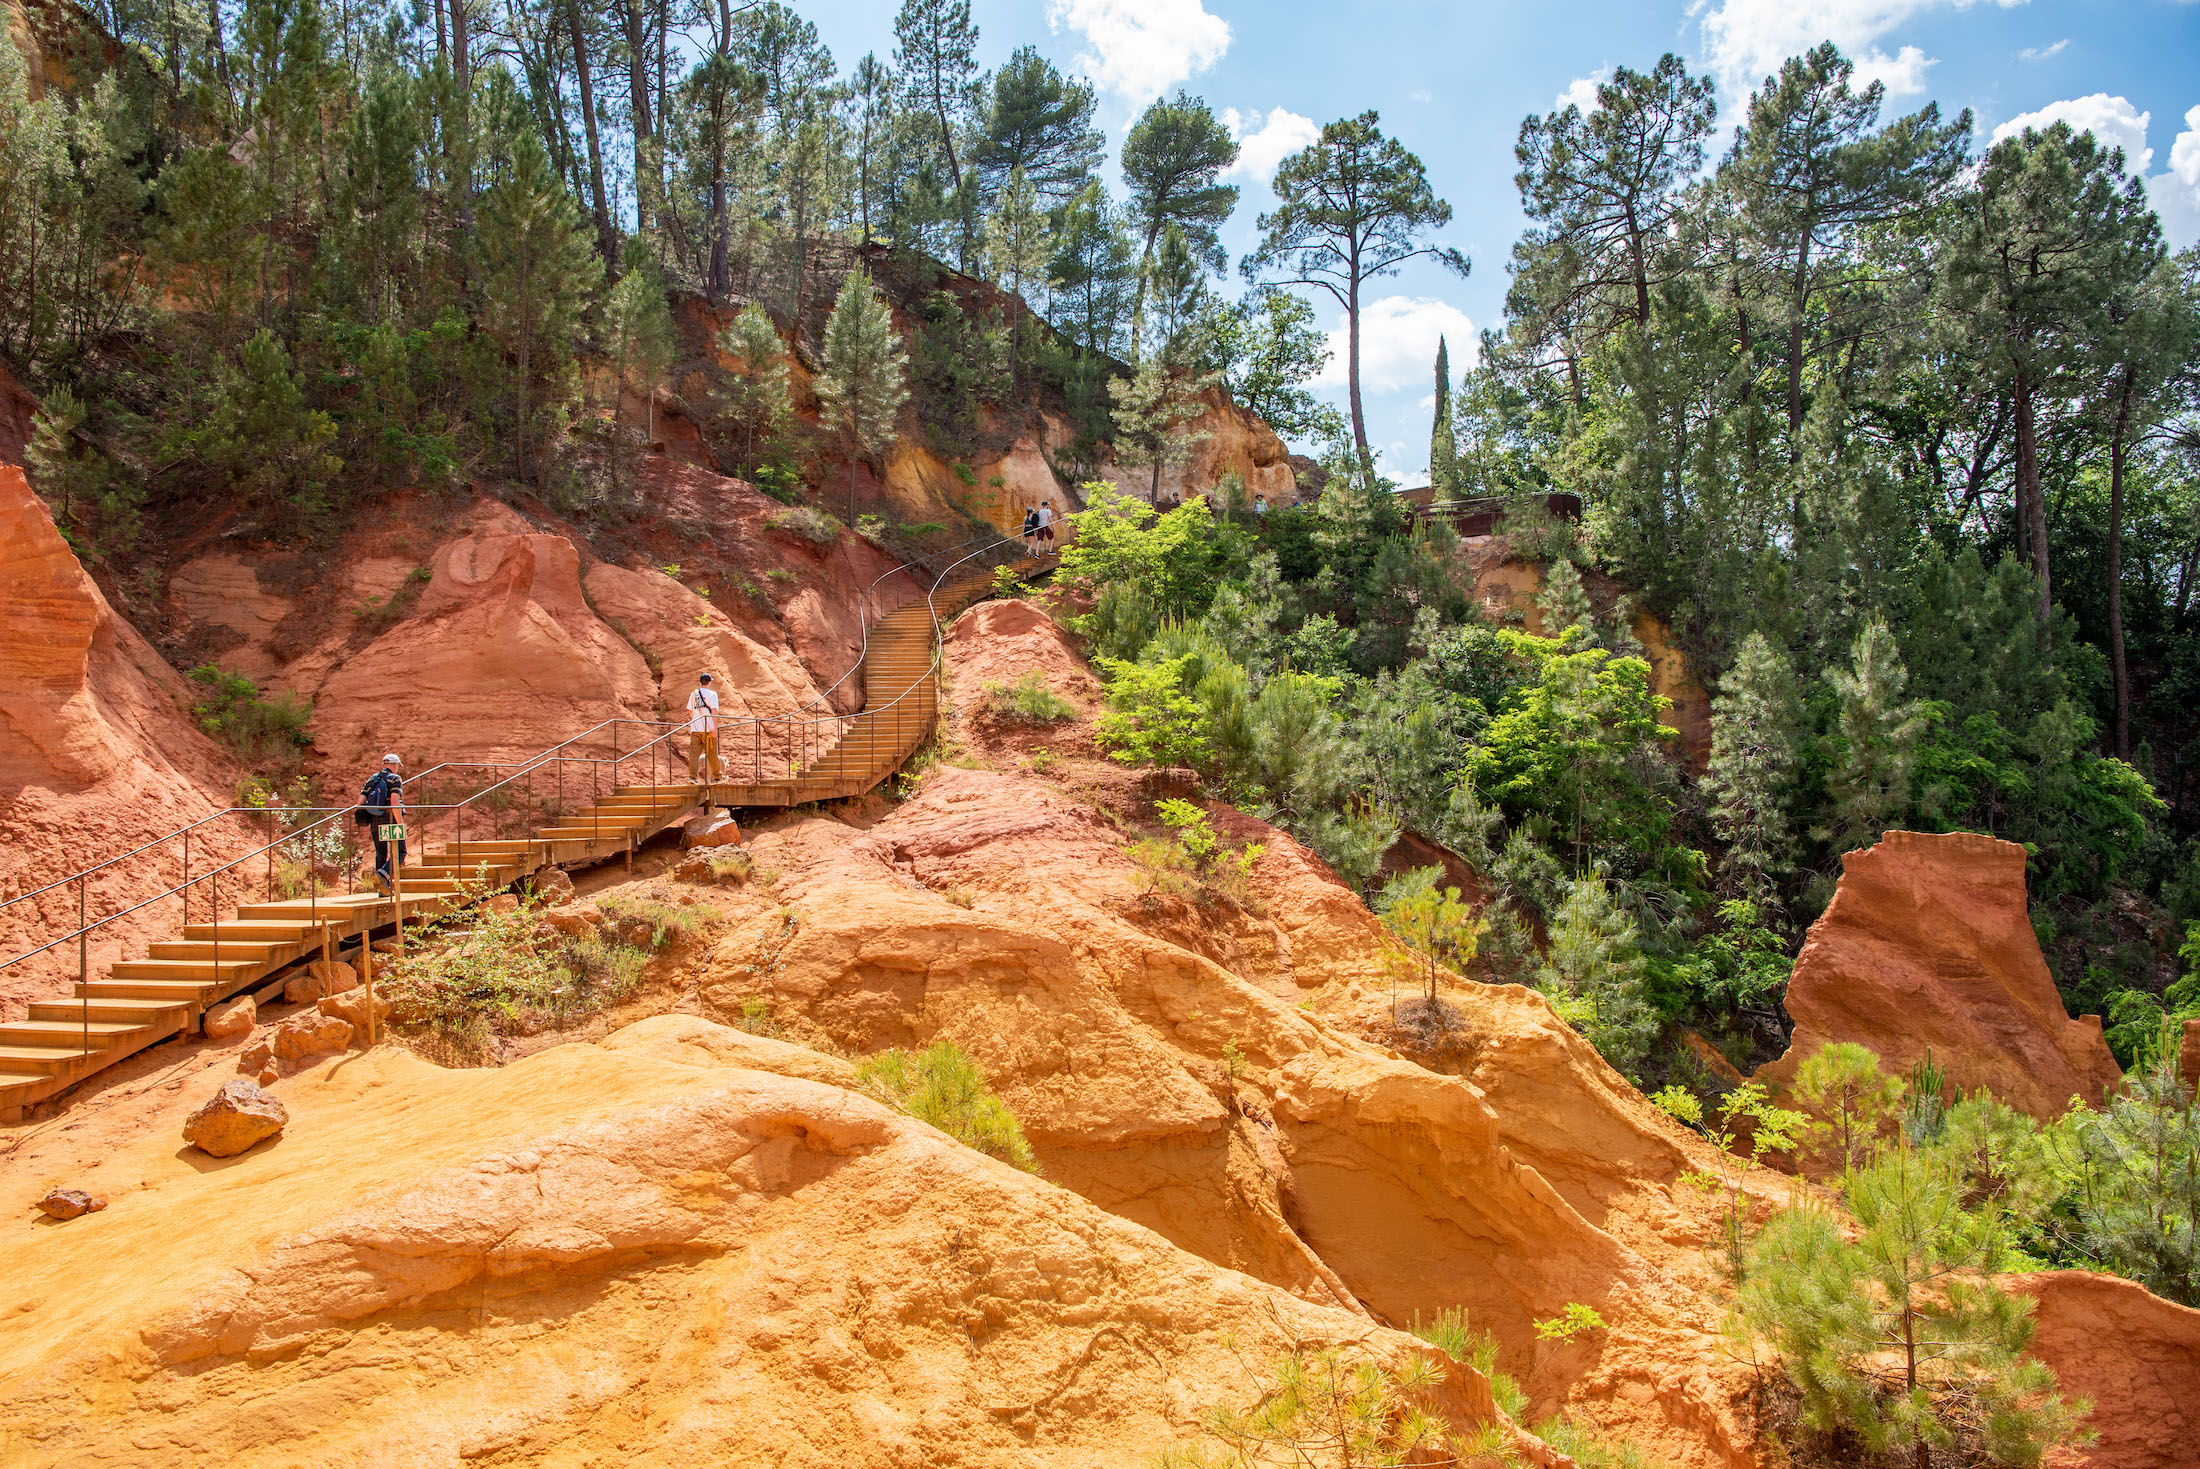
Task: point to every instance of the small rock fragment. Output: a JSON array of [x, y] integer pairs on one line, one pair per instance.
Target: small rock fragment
[[231, 1017], [572, 922], [501, 903], [233, 1119], [70, 1203]]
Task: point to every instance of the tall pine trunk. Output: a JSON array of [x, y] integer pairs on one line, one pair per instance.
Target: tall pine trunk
[[637, 81], [2117, 452], [2030, 502], [598, 201]]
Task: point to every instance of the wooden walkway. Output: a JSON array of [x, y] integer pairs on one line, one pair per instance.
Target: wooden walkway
[[141, 1002]]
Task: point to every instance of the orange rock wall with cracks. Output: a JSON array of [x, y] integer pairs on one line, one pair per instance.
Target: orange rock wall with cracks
[[98, 755], [1928, 947], [2134, 1354]]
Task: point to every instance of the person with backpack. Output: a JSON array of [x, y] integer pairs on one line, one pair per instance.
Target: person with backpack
[[703, 732], [1031, 531], [381, 806]]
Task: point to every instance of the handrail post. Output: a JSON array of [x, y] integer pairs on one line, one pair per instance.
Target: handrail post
[[83, 963]]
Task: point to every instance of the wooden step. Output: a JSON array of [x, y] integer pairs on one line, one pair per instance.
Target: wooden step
[[229, 971], [227, 950], [169, 991], [102, 1034], [138, 1012], [44, 1060], [252, 933]]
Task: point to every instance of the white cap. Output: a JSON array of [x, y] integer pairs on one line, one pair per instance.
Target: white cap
[[391, 759]]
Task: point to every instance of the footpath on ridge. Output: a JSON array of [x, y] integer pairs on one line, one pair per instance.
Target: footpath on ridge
[[780, 762]]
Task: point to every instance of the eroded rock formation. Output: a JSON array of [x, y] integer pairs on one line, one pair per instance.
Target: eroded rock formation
[[1928, 947], [98, 752], [2135, 1355], [683, 1243]]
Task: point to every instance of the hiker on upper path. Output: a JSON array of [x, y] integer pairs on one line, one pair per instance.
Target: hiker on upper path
[[1045, 513], [382, 805], [703, 732], [1031, 531]]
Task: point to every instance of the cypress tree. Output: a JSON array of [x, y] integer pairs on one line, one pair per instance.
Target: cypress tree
[[1443, 451]]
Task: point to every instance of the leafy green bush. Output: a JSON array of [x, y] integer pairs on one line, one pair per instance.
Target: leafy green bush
[[1150, 718], [1196, 862], [651, 924], [1430, 920], [1900, 1339], [941, 1085], [262, 732], [1028, 701], [1342, 1410]]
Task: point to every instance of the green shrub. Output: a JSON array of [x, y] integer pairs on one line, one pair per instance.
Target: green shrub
[[1339, 1409], [1150, 719], [1196, 862], [478, 973], [262, 732], [1450, 1334], [941, 1085], [647, 923], [807, 523], [1028, 701], [378, 615]]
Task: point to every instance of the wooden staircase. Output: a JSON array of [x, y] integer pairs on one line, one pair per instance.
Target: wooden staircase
[[141, 1002], [901, 700]]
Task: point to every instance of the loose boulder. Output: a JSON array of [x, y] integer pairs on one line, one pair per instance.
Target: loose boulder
[[234, 1119], [231, 1017], [352, 1007], [1928, 947], [310, 1034], [552, 884], [715, 830], [70, 1203], [322, 977]]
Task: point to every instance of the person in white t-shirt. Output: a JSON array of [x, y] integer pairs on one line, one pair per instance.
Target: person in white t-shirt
[[703, 731], [1046, 527]]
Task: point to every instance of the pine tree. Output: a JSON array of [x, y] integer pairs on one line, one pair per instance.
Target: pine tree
[[638, 339], [1596, 960], [1353, 207], [539, 269], [1870, 781], [1443, 452], [1018, 245], [1915, 1287], [1756, 722], [1564, 601], [264, 435], [1151, 409], [863, 381], [757, 398]]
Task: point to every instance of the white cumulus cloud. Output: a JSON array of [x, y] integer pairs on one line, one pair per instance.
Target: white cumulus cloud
[[1264, 144], [1581, 92], [1398, 343], [1745, 41], [2111, 120], [1138, 49], [2184, 154], [2175, 195], [2042, 53]]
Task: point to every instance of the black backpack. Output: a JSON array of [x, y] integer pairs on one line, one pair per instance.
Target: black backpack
[[374, 800]]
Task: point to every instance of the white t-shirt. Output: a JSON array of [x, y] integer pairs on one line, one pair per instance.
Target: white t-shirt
[[703, 712], [1046, 515]]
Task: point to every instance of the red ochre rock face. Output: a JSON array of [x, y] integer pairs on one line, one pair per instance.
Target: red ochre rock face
[[1928, 947]]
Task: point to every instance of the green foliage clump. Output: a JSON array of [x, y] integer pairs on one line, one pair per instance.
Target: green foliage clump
[[942, 1086], [1194, 862], [478, 973], [1913, 1289], [1339, 1410], [264, 733], [1150, 718], [807, 523], [1430, 920], [1028, 700]]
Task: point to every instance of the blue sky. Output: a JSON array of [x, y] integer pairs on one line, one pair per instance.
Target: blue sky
[[1454, 80]]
